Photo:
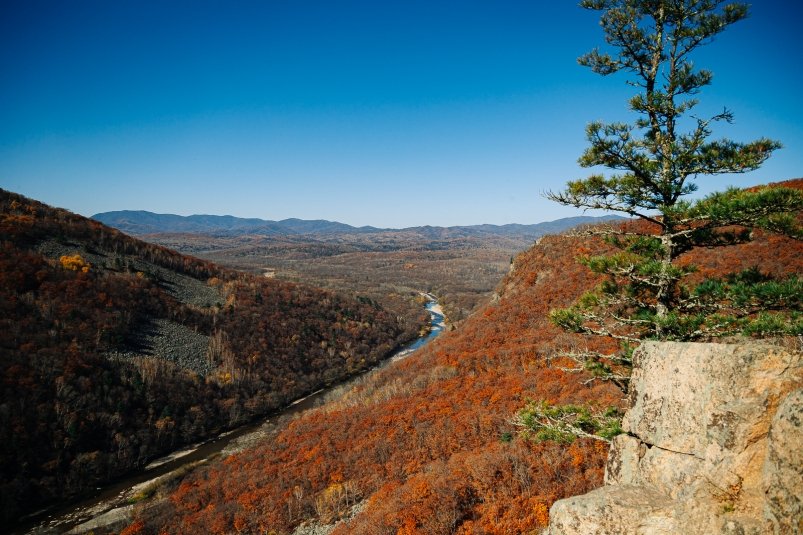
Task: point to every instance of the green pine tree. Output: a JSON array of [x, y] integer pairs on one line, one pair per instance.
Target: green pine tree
[[655, 162]]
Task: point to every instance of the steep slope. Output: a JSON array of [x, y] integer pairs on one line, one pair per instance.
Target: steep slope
[[427, 446], [114, 351]]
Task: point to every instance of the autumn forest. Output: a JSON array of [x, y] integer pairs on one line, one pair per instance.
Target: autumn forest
[[116, 351]]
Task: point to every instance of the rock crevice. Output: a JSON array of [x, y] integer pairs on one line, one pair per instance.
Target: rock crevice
[[713, 443], [650, 446]]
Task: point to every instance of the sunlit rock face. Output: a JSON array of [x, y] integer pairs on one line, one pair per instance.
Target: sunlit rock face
[[713, 444]]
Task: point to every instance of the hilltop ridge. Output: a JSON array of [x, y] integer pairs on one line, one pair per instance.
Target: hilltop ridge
[[141, 222]]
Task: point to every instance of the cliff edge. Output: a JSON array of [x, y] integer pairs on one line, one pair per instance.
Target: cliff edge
[[713, 443]]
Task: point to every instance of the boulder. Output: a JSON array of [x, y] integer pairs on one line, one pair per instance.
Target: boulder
[[783, 467], [713, 444], [608, 509]]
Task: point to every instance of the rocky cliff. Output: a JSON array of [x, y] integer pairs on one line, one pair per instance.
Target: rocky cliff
[[713, 443]]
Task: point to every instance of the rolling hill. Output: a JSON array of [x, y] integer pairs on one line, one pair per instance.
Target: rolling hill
[[140, 222], [461, 265], [115, 351]]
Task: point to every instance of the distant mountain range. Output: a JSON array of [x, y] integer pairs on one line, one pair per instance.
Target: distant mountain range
[[140, 222]]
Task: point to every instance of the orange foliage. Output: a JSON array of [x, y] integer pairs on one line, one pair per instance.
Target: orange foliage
[[421, 441], [134, 529], [74, 263]]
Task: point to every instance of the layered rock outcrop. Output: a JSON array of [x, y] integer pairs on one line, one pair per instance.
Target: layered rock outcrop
[[713, 444]]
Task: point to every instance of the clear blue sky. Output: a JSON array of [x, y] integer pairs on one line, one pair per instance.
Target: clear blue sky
[[388, 113]]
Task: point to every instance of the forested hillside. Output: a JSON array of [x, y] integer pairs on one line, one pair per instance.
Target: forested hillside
[[427, 446], [113, 351]]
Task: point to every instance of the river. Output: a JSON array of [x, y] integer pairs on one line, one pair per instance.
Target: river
[[111, 500]]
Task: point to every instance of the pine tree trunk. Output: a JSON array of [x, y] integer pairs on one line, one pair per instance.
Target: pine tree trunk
[[665, 283]]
